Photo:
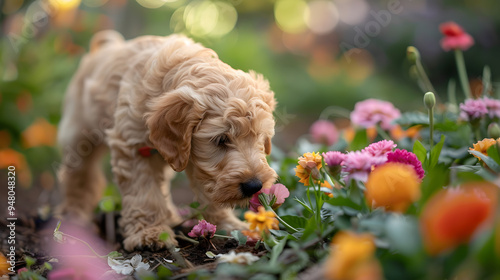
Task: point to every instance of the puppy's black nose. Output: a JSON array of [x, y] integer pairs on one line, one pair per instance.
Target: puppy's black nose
[[250, 187]]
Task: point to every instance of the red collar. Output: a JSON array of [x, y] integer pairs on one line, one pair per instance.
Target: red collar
[[147, 151]]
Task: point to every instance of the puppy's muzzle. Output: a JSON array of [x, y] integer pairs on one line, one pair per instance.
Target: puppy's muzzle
[[251, 187]]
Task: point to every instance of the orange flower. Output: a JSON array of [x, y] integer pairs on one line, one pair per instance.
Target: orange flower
[[349, 133], [352, 257], [393, 186], [483, 146], [262, 220], [40, 133], [453, 215], [4, 265], [10, 157], [309, 165]]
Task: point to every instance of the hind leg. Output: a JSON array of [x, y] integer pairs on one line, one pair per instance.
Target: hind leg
[[81, 177]]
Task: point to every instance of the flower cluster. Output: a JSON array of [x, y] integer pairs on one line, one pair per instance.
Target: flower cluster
[[455, 37], [372, 112], [475, 109], [203, 229]]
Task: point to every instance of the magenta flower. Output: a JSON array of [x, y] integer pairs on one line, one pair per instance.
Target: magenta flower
[[334, 158], [473, 109], [493, 106], [380, 148], [279, 191], [203, 229], [403, 156], [324, 132], [370, 112], [455, 37], [359, 164]]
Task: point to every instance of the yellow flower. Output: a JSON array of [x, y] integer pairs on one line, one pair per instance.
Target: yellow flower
[[483, 146], [309, 165], [393, 186], [262, 220], [352, 257]]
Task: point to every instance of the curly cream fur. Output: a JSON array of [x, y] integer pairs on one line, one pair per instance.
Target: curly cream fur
[[175, 95]]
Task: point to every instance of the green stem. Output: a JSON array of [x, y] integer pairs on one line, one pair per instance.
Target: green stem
[[223, 236], [423, 76], [462, 73], [265, 203], [382, 132], [431, 128], [85, 243]]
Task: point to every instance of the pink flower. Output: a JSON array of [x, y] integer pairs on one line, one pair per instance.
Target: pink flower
[[380, 148], [359, 165], [324, 132], [203, 229], [71, 264], [473, 109], [403, 156], [370, 112], [493, 106], [279, 191], [455, 37], [334, 158]]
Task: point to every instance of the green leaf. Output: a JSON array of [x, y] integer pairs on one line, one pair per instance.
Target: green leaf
[[434, 181], [304, 205], [194, 205], [413, 118], [420, 151], [436, 151], [295, 221], [29, 261], [487, 160], [493, 153], [163, 236], [164, 272], [276, 251], [47, 266], [343, 201], [242, 239], [114, 255], [360, 140]]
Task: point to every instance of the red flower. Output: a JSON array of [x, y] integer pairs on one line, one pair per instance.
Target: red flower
[[452, 216], [455, 37]]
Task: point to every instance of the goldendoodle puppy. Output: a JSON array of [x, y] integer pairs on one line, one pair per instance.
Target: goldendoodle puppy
[[175, 96]]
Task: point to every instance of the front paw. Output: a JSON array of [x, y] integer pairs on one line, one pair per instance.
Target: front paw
[[149, 237]]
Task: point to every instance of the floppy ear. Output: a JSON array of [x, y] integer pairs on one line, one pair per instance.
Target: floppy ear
[[172, 118]]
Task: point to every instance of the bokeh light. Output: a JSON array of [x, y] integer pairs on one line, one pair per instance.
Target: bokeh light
[[205, 18], [291, 15], [151, 4], [352, 11], [63, 5], [323, 16]]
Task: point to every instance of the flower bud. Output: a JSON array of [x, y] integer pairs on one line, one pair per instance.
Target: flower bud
[[494, 131], [429, 100], [412, 54]]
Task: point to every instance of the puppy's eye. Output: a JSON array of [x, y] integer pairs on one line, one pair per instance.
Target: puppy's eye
[[221, 140]]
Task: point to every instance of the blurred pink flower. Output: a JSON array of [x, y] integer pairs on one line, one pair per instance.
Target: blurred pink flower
[[324, 132], [72, 261], [359, 164], [370, 112], [455, 37], [493, 106], [403, 156], [380, 148], [334, 158], [279, 191], [473, 109], [203, 229]]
